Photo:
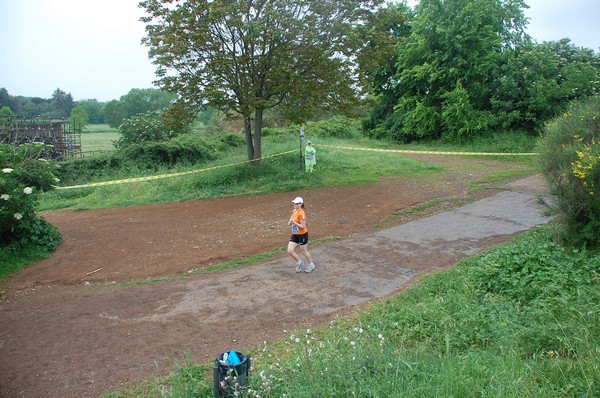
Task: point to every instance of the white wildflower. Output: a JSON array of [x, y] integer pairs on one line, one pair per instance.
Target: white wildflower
[[7, 170], [27, 190], [5, 196], [18, 216]]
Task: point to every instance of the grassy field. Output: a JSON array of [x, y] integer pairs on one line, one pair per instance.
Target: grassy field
[[98, 137]]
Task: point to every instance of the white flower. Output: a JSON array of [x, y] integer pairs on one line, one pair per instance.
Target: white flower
[[7, 170], [18, 216], [27, 190], [5, 196]]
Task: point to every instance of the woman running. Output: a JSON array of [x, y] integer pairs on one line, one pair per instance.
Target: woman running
[[299, 236]]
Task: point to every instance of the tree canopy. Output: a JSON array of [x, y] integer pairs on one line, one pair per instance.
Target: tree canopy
[[248, 56], [448, 64], [135, 102], [57, 107], [468, 69]]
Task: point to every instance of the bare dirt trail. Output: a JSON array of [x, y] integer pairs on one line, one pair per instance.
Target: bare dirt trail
[[68, 331]]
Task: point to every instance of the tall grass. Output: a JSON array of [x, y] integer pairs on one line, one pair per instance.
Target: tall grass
[[522, 320]]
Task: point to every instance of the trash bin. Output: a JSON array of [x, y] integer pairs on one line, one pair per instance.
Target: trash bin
[[229, 377]]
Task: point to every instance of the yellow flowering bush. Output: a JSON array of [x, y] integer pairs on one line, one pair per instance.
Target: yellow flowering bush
[[570, 158], [585, 167]]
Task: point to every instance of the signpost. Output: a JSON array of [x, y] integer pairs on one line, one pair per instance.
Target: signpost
[[301, 139]]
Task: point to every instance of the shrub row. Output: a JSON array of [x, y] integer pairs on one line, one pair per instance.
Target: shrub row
[[184, 149]]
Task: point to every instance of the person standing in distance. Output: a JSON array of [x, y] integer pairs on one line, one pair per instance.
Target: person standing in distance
[[310, 157], [299, 236]]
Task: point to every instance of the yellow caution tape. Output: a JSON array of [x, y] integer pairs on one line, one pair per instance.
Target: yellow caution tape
[[432, 152], [161, 176]]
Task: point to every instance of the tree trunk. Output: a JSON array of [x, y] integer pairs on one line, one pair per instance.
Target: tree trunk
[[258, 119], [248, 134]]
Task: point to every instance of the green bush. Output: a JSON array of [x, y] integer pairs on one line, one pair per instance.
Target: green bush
[[145, 127], [89, 168], [189, 148], [227, 141], [336, 127], [183, 149], [570, 154], [24, 174]]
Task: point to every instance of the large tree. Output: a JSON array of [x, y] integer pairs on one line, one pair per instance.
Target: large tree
[[539, 81], [448, 65], [93, 108], [248, 56], [62, 104]]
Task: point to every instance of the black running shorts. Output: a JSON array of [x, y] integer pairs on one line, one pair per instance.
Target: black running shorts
[[300, 239]]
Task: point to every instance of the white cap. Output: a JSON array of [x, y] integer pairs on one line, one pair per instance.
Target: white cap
[[298, 200]]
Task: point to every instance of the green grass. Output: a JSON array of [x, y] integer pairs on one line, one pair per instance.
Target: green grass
[[522, 320], [98, 137], [335, 167], [12, 260]]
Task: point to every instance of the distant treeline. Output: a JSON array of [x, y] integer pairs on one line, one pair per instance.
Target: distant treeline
[[61, 106]]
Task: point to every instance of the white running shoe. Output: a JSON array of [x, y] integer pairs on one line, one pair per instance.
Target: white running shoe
[[310, 267], [299, 265]]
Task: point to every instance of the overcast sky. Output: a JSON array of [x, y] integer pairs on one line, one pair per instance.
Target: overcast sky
[[91, 48]]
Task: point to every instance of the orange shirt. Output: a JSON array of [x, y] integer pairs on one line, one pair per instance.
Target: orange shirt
[[297, 216]]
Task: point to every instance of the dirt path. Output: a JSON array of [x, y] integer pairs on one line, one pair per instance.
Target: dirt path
[[68, 331]]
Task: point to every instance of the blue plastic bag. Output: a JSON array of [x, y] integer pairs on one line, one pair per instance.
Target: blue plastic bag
[[233, 359]]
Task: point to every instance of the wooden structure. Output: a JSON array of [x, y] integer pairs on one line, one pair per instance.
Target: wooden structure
[[64, 137]]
